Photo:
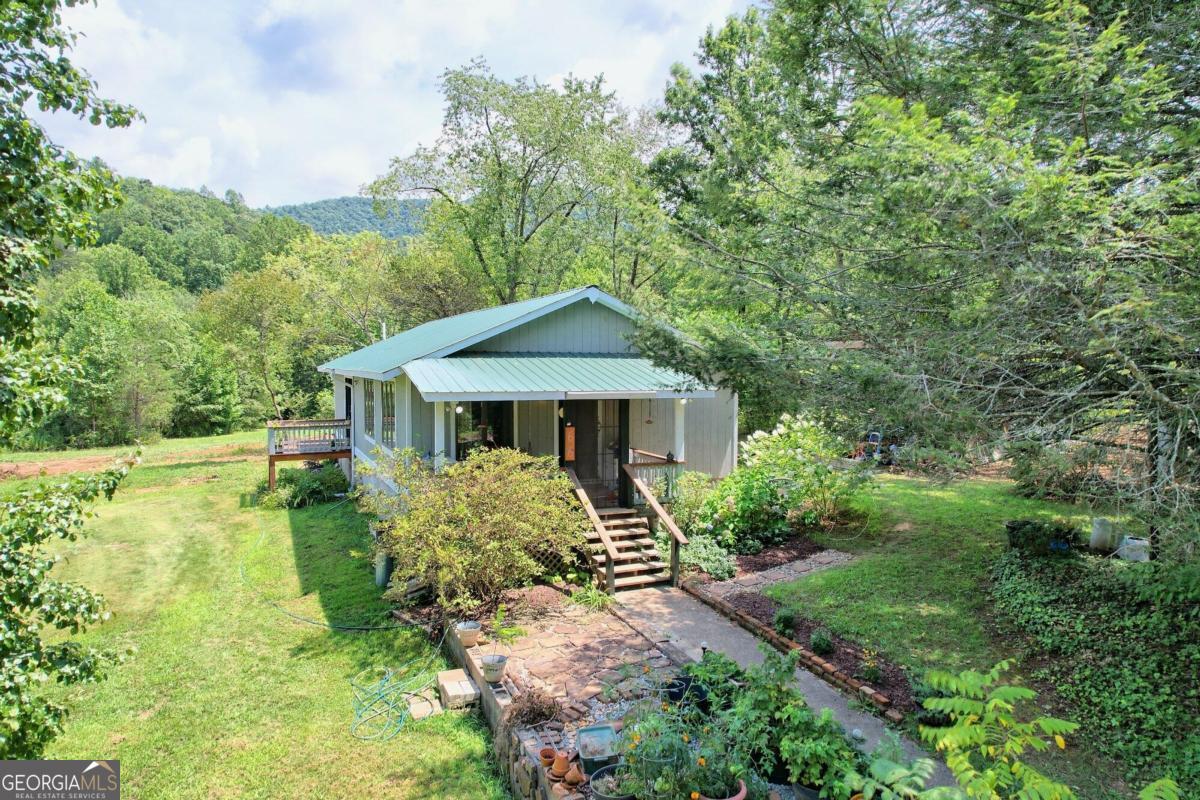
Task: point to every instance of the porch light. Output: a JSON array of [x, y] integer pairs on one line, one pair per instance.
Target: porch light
[[458, 409], [560, 412], [683, 401]]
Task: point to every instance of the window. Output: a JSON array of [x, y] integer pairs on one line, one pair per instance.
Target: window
[[369, 410], [485, 425], [389, 415]]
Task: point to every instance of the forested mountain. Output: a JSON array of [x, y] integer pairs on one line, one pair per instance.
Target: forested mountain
[[192, 314], [355, 215]]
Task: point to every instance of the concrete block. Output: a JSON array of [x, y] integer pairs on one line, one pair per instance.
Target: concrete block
[[456, 689]]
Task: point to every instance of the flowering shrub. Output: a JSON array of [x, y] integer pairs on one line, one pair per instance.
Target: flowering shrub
[[792, 475], [495, 521]]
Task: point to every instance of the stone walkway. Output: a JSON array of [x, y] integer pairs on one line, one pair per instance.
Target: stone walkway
[[578, 655], [757, 581], [674, 619]]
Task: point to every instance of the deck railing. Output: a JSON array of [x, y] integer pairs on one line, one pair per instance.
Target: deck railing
[[307, 436], [305, 440], [678, 539], [656, 471]]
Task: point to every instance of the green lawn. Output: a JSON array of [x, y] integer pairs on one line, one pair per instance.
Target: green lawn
[[918, 588], [224, 696]]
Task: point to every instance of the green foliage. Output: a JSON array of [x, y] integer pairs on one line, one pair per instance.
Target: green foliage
[[1056, 473], [785, 621], [298, 488], [357, 215], [495, 521], [590, 596], [691, 489], [1126, 661], [746, 511], [820, 641], [987, 737], [47, 196], [34, 603], [704, 553], [1042, 538], [977, 229], [792, 474]]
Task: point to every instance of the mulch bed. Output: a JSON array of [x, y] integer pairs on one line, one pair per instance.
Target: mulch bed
[[846, 655], [777, 555]]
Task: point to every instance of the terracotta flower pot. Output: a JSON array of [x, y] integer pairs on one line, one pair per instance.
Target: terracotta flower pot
[[739, 795], [562, 763], [546, 754], [574, 776]]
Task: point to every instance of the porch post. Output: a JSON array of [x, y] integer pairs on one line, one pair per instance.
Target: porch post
[[624, 485], [680, 430], [516, 428], [439, 433]]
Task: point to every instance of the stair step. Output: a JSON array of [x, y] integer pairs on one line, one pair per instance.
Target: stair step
[[646, 556], [634, 567], [624, 522], [622, 533], [615, 512], [637, 581], [624, 544]]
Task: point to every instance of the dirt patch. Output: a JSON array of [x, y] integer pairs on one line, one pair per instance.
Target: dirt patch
[[51, 466], [846, 655], [792, 550], [534, 598]]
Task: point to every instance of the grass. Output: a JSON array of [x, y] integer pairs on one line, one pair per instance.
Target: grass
[[918, 588], [223, 696]]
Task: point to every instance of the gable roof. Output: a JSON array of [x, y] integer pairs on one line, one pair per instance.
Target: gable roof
[[441, 337]]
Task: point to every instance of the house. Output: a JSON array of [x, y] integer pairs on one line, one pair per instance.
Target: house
[[555, 375]]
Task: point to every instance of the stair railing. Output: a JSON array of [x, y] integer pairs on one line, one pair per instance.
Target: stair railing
[[677, 537], [610, 550]]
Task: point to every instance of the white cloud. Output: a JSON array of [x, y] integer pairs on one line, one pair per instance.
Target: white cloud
[[295, 100]]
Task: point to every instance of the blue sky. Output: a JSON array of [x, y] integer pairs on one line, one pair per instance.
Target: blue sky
[[295, 100]]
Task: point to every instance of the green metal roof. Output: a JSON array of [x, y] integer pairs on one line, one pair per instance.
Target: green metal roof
[[535, 376], [384, 359]]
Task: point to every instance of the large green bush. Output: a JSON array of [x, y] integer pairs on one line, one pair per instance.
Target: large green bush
[[495, 521], [794, 474], [1126, 660]]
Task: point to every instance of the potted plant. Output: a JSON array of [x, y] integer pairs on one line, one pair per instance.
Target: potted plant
[[612, 783], [494, 664], [468, 632]]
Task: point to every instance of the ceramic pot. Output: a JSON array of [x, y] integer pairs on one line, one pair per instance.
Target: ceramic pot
[[493, 668], [740, 794], [468, 632], [562, 763], [546, 754], [574, 776]]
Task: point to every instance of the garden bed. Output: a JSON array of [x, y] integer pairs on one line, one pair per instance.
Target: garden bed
[[846, 655], [793, 549]]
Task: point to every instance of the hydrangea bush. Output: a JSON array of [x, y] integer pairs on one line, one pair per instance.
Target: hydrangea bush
[[796, 473]]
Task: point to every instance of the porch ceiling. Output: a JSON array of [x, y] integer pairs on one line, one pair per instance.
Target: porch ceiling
[[547, 377]]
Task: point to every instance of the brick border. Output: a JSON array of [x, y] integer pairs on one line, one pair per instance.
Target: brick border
[[811, 661]]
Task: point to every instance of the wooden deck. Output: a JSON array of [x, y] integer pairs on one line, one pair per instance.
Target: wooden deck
[[306, 440]]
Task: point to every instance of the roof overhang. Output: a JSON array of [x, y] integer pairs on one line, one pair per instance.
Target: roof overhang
[[549, 377]]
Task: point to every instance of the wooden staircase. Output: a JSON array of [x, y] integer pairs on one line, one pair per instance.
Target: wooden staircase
[[637, 562]]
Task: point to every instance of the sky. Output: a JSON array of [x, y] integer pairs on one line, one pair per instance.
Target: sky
[[288, 101]]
